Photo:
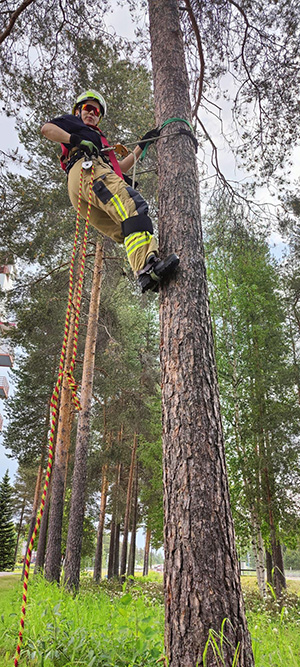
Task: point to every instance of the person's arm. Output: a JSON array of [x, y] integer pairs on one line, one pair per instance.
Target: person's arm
[[128, 161], [55, 133]]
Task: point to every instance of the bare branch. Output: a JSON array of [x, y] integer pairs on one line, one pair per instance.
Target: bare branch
[[13, 19], [201, 55]]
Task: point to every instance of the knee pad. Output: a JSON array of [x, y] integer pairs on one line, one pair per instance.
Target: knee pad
[[137, 223]]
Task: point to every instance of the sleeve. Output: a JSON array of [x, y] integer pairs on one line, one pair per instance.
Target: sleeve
[[65, 123]]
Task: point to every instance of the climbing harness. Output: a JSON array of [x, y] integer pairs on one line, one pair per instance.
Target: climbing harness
[[56, 391]]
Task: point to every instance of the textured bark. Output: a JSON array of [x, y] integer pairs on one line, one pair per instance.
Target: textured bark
[[113, 526], [98, 555], [131, 557], [202, 582], [19, 530], [63, 437], [75, 531], [258, 549], [269, 567], [127, 510], [278, 571], [41, 548], [35, 505], [116, 565], [146, 552], [112, 540]]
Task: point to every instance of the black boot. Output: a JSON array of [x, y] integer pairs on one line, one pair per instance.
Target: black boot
[[155, 271]]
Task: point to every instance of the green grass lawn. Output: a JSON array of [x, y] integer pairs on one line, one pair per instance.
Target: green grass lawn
[[108, 626]]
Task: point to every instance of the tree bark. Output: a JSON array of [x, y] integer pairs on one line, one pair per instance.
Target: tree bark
[[127, 510], [131, 557], [146, 552], [98, 555], [278, 569], [269, 567], [75, 531], [63, 437], [41, 548], [116, 565], [113, 526], [202, 582], [35, 506], [19, 530], [258, 549]]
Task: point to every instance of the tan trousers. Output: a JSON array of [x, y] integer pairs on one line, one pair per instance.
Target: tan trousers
[[113, 203]]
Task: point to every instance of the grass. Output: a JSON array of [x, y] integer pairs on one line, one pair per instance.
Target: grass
[[114, 626]]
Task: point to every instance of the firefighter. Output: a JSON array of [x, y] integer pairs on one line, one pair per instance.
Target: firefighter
[[118, 210]]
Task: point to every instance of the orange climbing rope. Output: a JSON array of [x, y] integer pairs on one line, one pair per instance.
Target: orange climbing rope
[[55, 395]]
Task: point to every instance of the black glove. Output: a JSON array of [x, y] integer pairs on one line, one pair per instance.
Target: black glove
[[87, 146], [149, 135]]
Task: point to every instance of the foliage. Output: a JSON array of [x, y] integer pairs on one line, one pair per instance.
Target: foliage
[[254, 357], [123, 627], [7, 531]]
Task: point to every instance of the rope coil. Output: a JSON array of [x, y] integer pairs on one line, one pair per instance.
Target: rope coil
[[55, 395]]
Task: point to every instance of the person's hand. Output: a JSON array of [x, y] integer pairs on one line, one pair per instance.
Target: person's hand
[[87, 146], [151, 134]]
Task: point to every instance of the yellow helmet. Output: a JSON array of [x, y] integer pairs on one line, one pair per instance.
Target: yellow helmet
[[90, 95]]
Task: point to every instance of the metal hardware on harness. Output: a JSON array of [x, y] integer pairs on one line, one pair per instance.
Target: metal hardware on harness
[[87, 164]]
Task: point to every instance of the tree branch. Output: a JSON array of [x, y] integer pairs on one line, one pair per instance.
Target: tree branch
[[13, 19], [201, 56]]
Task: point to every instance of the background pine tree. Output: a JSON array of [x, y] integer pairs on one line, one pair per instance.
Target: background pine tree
[[7, 531]]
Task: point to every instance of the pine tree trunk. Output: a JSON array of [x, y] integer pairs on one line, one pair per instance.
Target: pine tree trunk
[[75, 531], [113, 526], [202, 582], [110, 566], [146, 552], [41, 548], [269, 567], [63, 437], [131, 557], [116, 565], [127, 510], [98, 555], [35, 506], [19, 530], [278, 567]]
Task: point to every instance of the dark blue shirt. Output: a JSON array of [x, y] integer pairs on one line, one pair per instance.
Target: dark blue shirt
[[74, 125]]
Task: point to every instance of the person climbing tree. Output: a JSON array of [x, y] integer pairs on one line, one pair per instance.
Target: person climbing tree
[[118, 210]]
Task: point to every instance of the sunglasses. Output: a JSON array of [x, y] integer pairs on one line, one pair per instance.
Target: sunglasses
[[90, 107]]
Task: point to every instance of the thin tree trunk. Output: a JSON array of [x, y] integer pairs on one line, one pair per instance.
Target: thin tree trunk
[[75, 532], [127, 510], [257, 543], [131, 558], [110, 566], [42, 541], [146, 552], [63, 437], [278, 567], [269, 567], [202, 582], [116, 565], [35, 506], [98, 555], [113, 526], [19, 530]]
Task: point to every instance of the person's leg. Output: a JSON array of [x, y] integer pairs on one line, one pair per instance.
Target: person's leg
[[121, 213]]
